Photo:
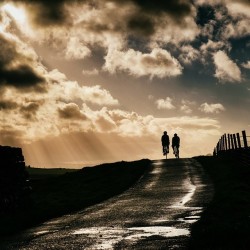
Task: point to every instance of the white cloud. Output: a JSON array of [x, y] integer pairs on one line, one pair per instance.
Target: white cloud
[[238, 8], [165, 104], [159, 63], [211, 46], [212, 108], [76, 49], [188, 54], [236, 18], [246, 65], [226, 69], [71, 90], [186, 109]]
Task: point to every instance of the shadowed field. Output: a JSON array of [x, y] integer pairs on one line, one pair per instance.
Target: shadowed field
[[58, 192], [226, 222]]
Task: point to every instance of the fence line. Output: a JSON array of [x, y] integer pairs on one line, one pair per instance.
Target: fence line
[[229, 142], [235, 146]]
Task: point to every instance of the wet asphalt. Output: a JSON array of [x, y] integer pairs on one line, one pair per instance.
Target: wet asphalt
[[156, 213]]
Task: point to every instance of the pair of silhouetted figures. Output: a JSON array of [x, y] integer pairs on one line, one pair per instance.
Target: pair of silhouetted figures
[[166, 142]]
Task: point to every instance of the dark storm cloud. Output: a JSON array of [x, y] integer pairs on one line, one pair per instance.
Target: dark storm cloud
[[21, 76], [141, 24], [142, 20], [176, 8], [47, 12], [148, 15]]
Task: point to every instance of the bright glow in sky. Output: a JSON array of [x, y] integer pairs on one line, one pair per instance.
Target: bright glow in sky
[[85, 82]]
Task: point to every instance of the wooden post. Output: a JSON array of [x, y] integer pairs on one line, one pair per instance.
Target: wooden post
[[214, 153], [238, 139], [229, 144], [232, 141], [225, 141], [221, 144], [244, 138], [217, 148], [235, 142]]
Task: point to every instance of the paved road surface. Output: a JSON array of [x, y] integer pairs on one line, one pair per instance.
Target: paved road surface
[[156, 213]]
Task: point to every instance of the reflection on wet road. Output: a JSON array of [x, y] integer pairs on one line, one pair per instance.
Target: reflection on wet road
[[156, 213]]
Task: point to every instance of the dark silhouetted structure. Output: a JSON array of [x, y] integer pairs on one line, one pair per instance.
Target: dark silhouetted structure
[[235, 146], [13, 179]]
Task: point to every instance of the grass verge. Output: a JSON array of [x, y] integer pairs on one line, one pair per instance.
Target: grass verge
[[225, 224], [61, 194]]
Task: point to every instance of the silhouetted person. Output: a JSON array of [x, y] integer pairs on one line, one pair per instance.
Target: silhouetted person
[[176, 143], [165, 143]]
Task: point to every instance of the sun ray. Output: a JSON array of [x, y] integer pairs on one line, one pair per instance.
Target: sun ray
[[17, 13]]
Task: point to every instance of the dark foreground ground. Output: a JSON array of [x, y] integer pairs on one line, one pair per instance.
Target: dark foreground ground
[[155, 213], [56, 192], [225, 224]]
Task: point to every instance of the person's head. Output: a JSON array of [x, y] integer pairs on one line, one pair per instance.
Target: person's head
[[175, 135], [165, 132]]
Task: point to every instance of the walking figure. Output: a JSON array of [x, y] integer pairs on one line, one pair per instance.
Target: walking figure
[[165, 143], [176, 145]]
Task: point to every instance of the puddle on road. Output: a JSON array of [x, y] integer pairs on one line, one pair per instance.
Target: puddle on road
[[107, 237], [41, 232], [156, 175], [161, 231]]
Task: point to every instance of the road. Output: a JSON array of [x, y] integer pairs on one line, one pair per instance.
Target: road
[[156, 213]]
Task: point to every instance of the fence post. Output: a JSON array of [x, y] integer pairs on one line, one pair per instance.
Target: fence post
[[244, 138], [225, 141], [217, 148], [229, 144], [238, 139], [235, 142], [232, 142], [214, 153], [221, 143]]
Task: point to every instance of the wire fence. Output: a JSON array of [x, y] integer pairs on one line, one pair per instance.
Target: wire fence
[[234, 145]]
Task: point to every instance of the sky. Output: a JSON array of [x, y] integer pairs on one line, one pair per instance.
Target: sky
[[85, 82]]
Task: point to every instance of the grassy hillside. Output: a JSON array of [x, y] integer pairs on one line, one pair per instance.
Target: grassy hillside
[[53, 195], [41, 173], [226, 222]]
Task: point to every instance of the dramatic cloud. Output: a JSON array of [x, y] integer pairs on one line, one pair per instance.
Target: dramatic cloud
[[68, 90], [235, 15], [212, 108], [165, 104], [226, 69], [158, 63], [133, 51], [16, 64]]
